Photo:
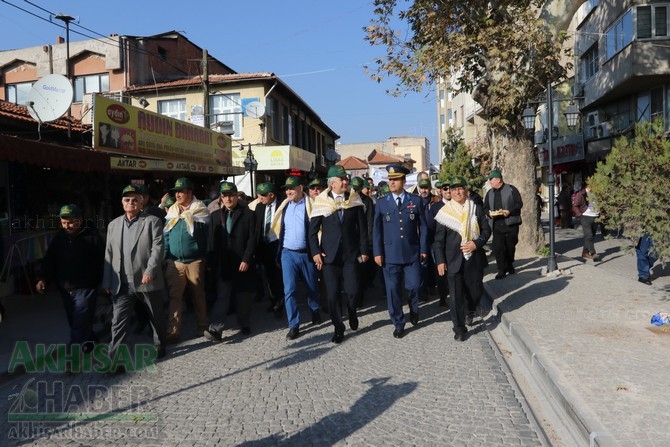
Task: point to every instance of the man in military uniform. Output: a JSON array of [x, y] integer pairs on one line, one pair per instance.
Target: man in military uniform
[[400, 244]]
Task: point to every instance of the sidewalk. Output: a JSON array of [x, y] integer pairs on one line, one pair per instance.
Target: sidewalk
[[585, 337]]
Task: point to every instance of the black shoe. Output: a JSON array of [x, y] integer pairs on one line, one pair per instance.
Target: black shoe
[[316, 317], [271, 308], [511, 270], [246, 330], [160, 352], [413, 318], [337, 338], [469, 319], [399, 333], [443, 302], [293, 333], [646, 281], [212, 335], [460, 336], [353, 321], [501, 275]]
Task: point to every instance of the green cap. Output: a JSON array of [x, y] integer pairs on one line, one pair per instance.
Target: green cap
[[144, 190], [424, 183], [384, 188], [317, 182], [135, 189], [291, 182], [495, 174], [357, 183], [457, 181], [265, 188], [438, 184], [182, 183], [169, 202], [227, 188], [70, 210], [337, 171]]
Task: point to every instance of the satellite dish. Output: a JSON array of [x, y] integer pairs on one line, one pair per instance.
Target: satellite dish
[[255, 109], [49, 98]]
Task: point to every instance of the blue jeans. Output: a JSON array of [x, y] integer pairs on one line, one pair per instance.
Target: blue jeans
[[293, 264], [80, 310], [645, 256]]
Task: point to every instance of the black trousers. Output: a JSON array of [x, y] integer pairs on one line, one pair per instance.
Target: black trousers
[[338, 276], [504, 246], [466, 287]]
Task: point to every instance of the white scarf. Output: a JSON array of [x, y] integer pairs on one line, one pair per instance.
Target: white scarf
[[196, 212], [324, 205], [460, 218]]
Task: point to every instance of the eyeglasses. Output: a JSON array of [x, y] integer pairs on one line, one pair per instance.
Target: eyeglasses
[[130, 200], [315, 187], [446, 188]]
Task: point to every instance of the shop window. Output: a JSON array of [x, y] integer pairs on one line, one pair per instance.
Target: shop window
[[18, 93], [227, 107], [90, 84], [174, 108]]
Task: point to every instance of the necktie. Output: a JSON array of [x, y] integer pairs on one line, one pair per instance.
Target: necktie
[[229, 222], [399, 202], [268, 219], [340, 212]]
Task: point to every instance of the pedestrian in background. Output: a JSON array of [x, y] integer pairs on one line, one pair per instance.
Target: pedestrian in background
[[565, 206], [502, 205], [73, 263], [186, 230], [462, 231], [133, 269], [584, 208], [268, 243], [646, 258]]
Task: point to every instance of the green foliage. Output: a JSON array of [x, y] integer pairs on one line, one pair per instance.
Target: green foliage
[[502, 52], [544, 251], [631, 189], [458, 161]]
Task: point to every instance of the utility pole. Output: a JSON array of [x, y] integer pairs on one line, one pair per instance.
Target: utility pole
[[67, 19], [205, 88]]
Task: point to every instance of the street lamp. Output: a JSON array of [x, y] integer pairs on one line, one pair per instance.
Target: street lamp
[[572, 116], [250, 165]]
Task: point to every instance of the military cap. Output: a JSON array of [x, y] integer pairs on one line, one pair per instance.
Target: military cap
[[70, 210], [396, 171], [181, 184]]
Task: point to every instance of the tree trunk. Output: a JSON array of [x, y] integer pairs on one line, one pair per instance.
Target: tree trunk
[[515, 157]]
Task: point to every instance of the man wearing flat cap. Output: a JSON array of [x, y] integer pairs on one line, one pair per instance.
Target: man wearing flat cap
[[338, 238], [133, 269], [266, 253], [231, 246], [400, 244], [502, 205], [462, 230], [73, 263]]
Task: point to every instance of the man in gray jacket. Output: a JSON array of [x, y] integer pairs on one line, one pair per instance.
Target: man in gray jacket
[[133, 270]]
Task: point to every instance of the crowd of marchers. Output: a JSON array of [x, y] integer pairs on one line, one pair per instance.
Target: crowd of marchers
[[333, 236]]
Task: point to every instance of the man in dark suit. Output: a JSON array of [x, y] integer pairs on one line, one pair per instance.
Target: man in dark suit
[[268, 243], [231, 246], [462, 231], [133, 271], [442, 281], [367, 269], [400, 244], [338, 217]]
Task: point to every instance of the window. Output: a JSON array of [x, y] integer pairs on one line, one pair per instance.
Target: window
[[619, 35], [590, 63], [657, 103], [174, 108], [652, 21], [18, 93], [90, 84], [227, 107]]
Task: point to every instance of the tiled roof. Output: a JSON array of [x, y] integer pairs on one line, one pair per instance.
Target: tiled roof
[[352, 162], [213, 79], [20, 113], [383, 157]]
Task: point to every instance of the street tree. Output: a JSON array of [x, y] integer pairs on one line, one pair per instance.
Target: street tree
[[502, 52], [457, 160], [630, 188]]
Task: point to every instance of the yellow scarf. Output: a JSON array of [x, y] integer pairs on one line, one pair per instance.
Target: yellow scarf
[[275, 227], [196, 212], [460, 218], [324, 205]]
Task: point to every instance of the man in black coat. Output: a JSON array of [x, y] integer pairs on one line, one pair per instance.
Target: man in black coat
[[462, 230], [231, 246], [268, 245], [339, 218], [367, 269]]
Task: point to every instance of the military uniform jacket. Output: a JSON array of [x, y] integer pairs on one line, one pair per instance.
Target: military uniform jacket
[[400, 234]]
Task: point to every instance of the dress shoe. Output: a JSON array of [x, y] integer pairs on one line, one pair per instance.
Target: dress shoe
[[160, 352], [337, 338], [470, 319], [353, 321], [443, 302], [595, 257], [316, 317], [293, 333], [399, 333], [413, 318], [511, 270], [460, 336], [501, 275], [646, 281], [172, 339], [212, 335], [586, 255], [246, 330]]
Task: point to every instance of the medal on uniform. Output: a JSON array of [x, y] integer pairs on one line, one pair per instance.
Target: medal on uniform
[[388, 218], [411, 216]]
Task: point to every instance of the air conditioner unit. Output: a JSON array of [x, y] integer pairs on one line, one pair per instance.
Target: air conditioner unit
[[592, 119], [86, 111], [604, 129]]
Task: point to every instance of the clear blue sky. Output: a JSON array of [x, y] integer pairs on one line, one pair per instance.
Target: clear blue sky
[[315, 46]]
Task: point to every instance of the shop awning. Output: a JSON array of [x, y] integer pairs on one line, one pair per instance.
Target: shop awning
[[52, 155]]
